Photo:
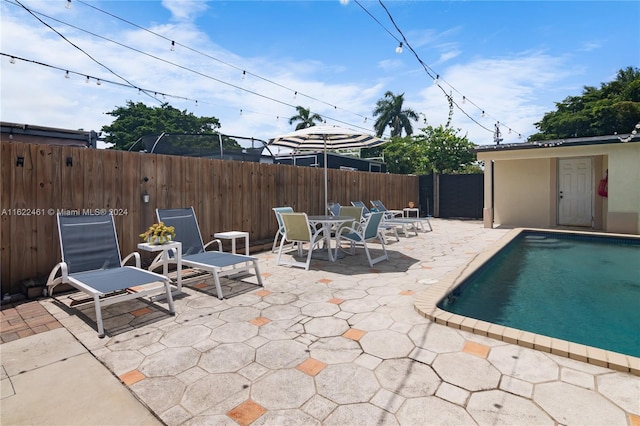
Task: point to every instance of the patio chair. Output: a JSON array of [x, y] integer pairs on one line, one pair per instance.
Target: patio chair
[[91, 263], [280, 231], [334, 209], [194, 251], [360, 234], [298, 231], [388, 227]]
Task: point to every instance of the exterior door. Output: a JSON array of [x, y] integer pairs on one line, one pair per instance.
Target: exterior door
[[575, 192]]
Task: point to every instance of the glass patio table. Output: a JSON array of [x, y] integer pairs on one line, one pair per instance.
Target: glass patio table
[[327, 223]]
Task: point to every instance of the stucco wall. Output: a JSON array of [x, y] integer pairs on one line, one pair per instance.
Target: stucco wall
[[522, 192], [624, 189]]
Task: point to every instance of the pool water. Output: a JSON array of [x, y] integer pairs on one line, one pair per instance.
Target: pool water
[[580, 288]]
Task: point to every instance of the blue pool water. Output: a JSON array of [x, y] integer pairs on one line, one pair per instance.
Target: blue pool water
[[580, 288]]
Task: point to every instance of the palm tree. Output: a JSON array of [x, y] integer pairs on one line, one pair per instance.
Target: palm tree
[[390, 113], [305, 118]]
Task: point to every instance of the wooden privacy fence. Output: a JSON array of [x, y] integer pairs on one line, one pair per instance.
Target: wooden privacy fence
[[39, 181]]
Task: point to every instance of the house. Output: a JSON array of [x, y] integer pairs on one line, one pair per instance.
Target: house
[[14, 132], [591, 182], [334, 161]]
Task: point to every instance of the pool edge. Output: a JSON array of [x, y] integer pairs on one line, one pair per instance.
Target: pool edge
[[426, 305]]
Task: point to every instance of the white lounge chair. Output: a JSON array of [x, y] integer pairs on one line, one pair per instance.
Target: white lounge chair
[[361, 233], [91, 263], [399, 214], [194, 251]]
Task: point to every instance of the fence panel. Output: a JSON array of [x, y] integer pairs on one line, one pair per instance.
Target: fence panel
[[225, 194]]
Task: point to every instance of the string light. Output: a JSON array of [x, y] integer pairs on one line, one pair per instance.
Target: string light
[[173, 45], [437, 80], [244, 74], [68, 5], [482, 113], [295, 95], [98, 82], [12, 60], [66, 75], [399, 48], [240, 111], [87, 80], [196, 103]]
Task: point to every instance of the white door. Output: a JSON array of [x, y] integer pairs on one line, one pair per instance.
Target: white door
[[575, 192]]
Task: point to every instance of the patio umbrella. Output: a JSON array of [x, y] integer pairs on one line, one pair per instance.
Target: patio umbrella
[[326, 137]]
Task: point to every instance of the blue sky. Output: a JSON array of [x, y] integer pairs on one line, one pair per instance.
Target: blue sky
[[510, 59]]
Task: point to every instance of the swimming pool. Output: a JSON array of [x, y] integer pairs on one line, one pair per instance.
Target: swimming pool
[[573, 294]]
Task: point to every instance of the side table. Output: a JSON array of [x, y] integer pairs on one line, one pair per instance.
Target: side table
[[176, 248], [407, 212], [233, 235]]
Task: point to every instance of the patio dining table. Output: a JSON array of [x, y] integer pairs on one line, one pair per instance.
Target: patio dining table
[[328, 222]]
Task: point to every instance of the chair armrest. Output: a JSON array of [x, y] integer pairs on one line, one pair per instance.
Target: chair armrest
[[134, 255], [214, 241], [52, 281]]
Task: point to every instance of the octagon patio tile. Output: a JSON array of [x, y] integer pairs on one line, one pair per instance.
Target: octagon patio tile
[[335, 350], [346, 383], [227, 358], [185, 336], [234, 332], [622, 389], [210, 391], [386, 344], [523, 363], [169, 362], [360, 414], [326, 327], [283, 389], [408, 378], [281, 354], [501, 408], [431, 410], [466, 371]]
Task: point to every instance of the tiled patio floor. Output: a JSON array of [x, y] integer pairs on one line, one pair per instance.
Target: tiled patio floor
[[341, 344]]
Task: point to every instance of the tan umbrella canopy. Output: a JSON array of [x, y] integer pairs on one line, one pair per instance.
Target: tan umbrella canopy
[[325, 137]]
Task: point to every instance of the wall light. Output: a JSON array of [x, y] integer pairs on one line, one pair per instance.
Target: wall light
[[145, 197]]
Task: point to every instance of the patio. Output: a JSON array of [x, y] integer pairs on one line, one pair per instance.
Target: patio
[[339, 344]]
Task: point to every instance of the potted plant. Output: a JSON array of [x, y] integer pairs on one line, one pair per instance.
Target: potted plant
[[158, 233]]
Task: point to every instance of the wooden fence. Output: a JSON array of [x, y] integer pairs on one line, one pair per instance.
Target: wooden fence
[[40, 180]]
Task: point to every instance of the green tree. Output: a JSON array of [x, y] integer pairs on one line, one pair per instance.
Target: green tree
[[612, 108], [403, 155], [445, 151], [390, 112], [305, 118], [137, 119]]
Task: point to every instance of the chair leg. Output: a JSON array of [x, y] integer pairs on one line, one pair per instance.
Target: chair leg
[[167, 286], [96, 302], [255, 267], [217, 281]]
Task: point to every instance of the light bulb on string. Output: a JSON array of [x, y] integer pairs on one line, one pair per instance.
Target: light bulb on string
[[196, 103], [483, 113], [509, 131], [244, 74], [241, 112], [66, 75], [437, 80], [98, 82], [295, 94], [399, 48], [12, 60], [68, 5], [87, 80], [464, 99], [344, 2], [173, 45]]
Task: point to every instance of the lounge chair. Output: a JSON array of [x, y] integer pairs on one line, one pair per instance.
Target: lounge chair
[[91, 263], [386, 225], [361, 233], [298, 231], [194, 252], [399, 214], [280, 231], [377, 204], [334, 209]]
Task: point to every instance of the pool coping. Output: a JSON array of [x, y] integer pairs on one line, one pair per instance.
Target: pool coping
[[426, 305]]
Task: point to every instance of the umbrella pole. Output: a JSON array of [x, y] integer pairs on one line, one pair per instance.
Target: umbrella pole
[[324, 208]]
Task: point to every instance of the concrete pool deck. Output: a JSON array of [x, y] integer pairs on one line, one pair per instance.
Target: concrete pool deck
[[341, 344]]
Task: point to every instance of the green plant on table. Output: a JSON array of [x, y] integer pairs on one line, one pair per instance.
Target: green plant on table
[[158, 233]]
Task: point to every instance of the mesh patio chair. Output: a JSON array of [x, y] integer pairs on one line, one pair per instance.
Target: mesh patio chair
[[334, 209], [194, 251], [387, 227], [399, 214], [365, 232], [298, 231], [280, 231], [377, 204], [91, 263]]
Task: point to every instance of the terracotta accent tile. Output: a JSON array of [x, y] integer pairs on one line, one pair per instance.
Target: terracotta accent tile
[[311, 366], [263, 293], [476, 349], [260, 321], [633, 420], [335, 301], [325, 281], [131, 377], [201, 285], [247, 412], [266, 274], [141, 311], [354, 334], [407, 293]]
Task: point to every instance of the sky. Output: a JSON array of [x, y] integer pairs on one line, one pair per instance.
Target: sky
[[250, 63]]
